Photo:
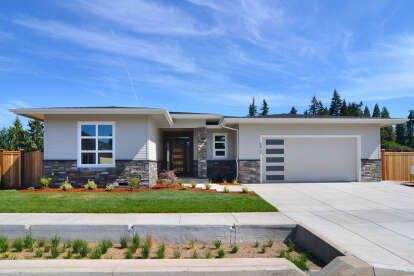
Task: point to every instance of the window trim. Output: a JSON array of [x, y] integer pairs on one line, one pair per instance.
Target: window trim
[[225, 146], [96, 137]]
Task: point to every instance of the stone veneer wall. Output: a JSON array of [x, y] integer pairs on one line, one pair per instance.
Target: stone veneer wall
[[219, 170], [58, 170], [201, 135], [371, 170], [249, 171]]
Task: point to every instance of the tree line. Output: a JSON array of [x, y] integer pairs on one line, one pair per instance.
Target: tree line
[[16, 137], [400, 138]]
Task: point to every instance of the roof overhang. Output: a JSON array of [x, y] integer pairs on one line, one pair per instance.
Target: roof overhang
[[40, 113], [197, 116], [318, 121]]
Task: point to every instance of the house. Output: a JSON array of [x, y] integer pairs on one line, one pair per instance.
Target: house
[[113, 144]]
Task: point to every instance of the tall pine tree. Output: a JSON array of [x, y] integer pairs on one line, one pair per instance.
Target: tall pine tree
[[401, 134], [35, 132], [367, 113], [336, 104], [344, 109], [387, 133], [410, 129], [376, 113], [252, 109], [4, 139], [17, 136], [293, 110], [264, 108]]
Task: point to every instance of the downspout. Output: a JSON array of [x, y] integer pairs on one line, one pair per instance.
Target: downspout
[[237, 147]]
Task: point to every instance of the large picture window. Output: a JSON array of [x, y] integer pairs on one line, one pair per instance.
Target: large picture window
[[220, 145], [96, 144]]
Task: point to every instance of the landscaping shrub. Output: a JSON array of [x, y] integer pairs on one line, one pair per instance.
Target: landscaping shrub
[[45, 181], [234, 182], [262, 249], [4, 245], [105, 244], [129, 254], [148, 241], [54, 253], [180, 182], [217, 244], [136, 241], [54, 242], [69, 254], [207, 254], [234, 249], [300, 261], [18, 245], [193, 184], [226, 190], [207, 186], [245, 190], [84, 251], [38, 253], [66, 185], [176, 254], [46, 248], [96, 253], [79, 245], [29, 242], [109, 187], [269, 243], [145, 251], [224, 182], [221, 253], [290, 245], [90, 185], [134, 182], [161, 251], [194, 255], [123, 241], [167, 177]]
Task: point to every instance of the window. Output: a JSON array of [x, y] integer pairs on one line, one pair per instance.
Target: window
[[220, 146], [96, 147]]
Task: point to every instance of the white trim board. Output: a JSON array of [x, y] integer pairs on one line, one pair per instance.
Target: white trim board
[[356, 137]]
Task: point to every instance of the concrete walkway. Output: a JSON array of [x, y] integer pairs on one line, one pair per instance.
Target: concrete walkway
[[373, 221], [27, 219]]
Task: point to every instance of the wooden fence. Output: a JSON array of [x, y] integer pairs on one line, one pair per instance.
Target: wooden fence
[[20, 169], [397, 165]]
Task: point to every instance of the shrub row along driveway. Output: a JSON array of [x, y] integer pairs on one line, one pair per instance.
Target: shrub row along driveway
[[162, 201], [373, 221]]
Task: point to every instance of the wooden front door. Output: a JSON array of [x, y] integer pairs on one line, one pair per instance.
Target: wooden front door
[[180, 156]]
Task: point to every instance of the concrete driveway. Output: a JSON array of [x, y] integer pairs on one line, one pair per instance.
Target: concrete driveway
[[373, 221]]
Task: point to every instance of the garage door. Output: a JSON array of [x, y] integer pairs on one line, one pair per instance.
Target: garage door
[[309, 159]]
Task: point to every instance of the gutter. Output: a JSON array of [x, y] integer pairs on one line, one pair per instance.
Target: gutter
[[237, 147]]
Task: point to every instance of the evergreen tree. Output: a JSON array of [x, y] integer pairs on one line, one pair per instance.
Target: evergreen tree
[[367, 113], [35, 133], [17, 136], [293, 110], [4, 139], [344, 109], [252, 109], [336, 104], [314, 107], [387, 133], [410, 129], [376, 113], [401, 134], [264, 109], [355, 109]]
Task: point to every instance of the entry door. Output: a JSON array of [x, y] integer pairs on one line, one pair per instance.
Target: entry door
[[180, 157], [273, 160]]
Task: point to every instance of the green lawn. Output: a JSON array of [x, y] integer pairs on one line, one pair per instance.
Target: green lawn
[[162, 201]]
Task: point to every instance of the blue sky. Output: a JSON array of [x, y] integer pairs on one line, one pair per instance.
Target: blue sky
[[204, 55]]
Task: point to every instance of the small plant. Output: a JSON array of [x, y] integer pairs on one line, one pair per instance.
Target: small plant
[[96, 253], [191, 244], [68, 254], [180, 182], [90, 185], [18, 245], [194, 255], [168, 177], [54, 252], [67, 245], [269, 243], [226, 190], [78, 245], [207, 254], [4, 245], [29, 242], [109, 187], [148, 241], [123, 241], [234, 249], [105, 244], [256, 244], [224, 182], [301, 262], [66, 185], [129, 254], [176, 254], [161, 251], [38, 253], [221, 253], [235, 182], [46, 249], [262, 249], [217, 244], [145, 251], [54, 242], [136, 241], [45, 181], [290, 245], [84, 250], [193, 184], [245, 190], [134, 182], [207, 186]]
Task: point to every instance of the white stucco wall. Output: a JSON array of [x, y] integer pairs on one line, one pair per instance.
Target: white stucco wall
[[61, 141], [154, 141], [249, 138]]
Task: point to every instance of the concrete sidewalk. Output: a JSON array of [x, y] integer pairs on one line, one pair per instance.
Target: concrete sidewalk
[[373, 221], [262, 218]]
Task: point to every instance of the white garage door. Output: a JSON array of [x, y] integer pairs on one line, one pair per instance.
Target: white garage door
[[310, 159]]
